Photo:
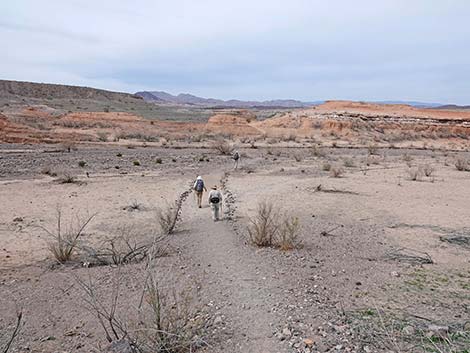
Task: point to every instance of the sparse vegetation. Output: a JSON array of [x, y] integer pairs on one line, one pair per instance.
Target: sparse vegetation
[[136, 163], [268, 228], [415, 173], [326, 166], [65, 240], [169, 215], [428, 170], [66, 178], [158, 161], [336, 171], [461, 163], [223, 147], [81, 164]]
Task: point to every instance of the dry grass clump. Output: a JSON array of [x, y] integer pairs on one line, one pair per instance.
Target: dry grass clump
[[336, 171], [461, 163], [267, 228], [348, 163], [48, 171], [415, 173], [169, 216], [428, 170], [318, 151], [66, 178], [326, 166], [65, 241], [164, 320], [223, 147]]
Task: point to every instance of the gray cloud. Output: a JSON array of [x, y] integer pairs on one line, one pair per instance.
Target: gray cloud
[[364, 50]]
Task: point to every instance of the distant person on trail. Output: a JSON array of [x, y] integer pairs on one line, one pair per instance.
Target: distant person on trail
[[215, 201], [199, 187], [236, 158]]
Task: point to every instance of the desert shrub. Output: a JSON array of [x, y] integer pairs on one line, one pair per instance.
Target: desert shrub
[[68, 146], [415, 173], [428, 170], [66, 178], [81, 164], [223, 147], [263, 226], [48, 171], [7, 338], [158, 161], [102, 136], [336, 171], [65, 241], [289, 233], [272, 140], [407, 158], [119, 154], [372, 149], [136, 163], [461, 163], [326, 166], [169, 215], [348, 163], [164, 321], [318, 151], [267, 228], [298, 157]]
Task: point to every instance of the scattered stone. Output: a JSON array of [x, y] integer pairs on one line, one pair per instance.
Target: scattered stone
[[408, 330], [308, 342], [18, 219], [466, 326], [218, 320], [395, 274], [286, 332], [437, 331]]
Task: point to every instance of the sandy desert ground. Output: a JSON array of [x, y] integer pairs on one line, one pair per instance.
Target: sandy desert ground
[[383, 264]]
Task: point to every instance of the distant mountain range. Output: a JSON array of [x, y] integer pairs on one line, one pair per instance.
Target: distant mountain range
[[189, 99], [161, 97]]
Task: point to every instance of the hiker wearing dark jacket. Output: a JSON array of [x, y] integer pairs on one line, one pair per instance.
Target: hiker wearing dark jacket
[[199, 187], [236, 158], [215, 201]]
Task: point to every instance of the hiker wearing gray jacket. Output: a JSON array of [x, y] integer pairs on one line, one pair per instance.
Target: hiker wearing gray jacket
[[215, 201]]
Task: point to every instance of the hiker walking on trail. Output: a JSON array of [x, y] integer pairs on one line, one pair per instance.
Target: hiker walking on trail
[[199, 187], [215, 201], [236, 158]]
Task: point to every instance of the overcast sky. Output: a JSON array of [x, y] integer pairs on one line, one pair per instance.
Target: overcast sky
[[246, 49]]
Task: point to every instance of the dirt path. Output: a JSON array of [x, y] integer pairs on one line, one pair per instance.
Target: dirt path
[[234, 279]]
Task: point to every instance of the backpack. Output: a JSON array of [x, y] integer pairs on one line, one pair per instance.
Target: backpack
[[199, 185], [214, 199]]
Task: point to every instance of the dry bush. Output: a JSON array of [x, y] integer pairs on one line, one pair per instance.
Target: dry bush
[[48, 171], [7, 338], [68, 146], [169, 216], [461, 163], [263, 226], [169, 322], [407, 158], [66, 178], [428, 170], [372, 149], [326, 166], [268, 229], [298, 157], [289, 233], [317, 151], [414, 173], [65, 241], [126, 246], [102, 136], [163, 321], [348, 163], [336, 171], [223, 147]]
